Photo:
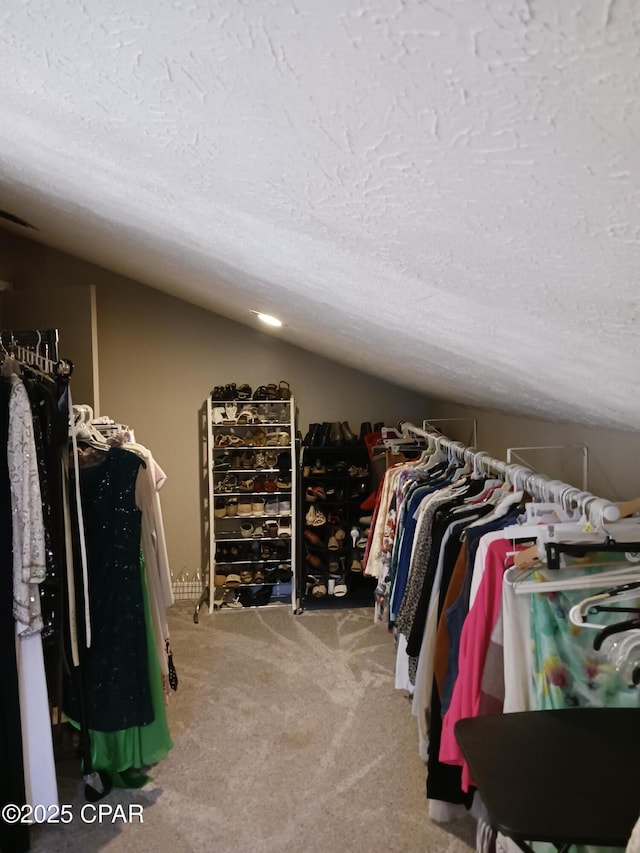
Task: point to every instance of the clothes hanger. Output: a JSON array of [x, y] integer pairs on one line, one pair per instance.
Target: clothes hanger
[[617, 628], [593, 603], [571, 578]]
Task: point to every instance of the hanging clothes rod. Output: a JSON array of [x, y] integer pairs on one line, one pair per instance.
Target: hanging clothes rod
[[597, 510]]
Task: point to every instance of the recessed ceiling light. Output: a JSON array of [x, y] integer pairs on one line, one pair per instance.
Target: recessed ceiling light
[[268, 319]]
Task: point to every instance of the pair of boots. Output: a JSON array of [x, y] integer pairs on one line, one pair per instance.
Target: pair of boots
[[328, 434]]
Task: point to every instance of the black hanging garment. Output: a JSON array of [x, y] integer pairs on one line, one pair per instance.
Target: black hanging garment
[[115, 667]]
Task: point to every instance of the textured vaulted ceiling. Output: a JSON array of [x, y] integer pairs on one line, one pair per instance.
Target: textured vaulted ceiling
[[442, 193]]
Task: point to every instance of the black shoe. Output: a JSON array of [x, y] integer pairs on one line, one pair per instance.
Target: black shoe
[[347, 436], [308, 440], [335, 435]]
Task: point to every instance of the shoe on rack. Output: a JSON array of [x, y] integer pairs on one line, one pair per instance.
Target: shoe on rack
[[272, 528], [332, 544], [220, 508], [315, 563], [285, 506], [341, 588], [284, 530], [284, 390], [335, 435], [347, 436], [309, 437], [244, 392], [313, 539], [244, 506], [230, 599], [271, 484], [365, 429], [319, 589], [315, 517], [230, 391], [272, 506], [257, 506]]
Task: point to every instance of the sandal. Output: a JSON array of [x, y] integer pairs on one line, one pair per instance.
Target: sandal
[[229, 483], [340, 589], [222, 462], [259, 438], [319, 589], [247, 416], [284, 391], [248, 459], [230, 411], [246, 485], [315, 517]]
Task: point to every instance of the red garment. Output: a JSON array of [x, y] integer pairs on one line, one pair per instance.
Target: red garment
[[474, 643]]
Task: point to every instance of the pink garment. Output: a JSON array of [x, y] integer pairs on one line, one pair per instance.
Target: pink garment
[[474, 643]]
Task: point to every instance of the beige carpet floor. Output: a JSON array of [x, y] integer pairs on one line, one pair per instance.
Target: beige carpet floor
[[288, 736]]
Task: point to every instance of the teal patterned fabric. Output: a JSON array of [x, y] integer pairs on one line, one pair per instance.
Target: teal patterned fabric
[[569, 673]]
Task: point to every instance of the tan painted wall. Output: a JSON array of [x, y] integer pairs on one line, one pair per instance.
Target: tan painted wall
[[614, 455], [160, 357], [34, 270]]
